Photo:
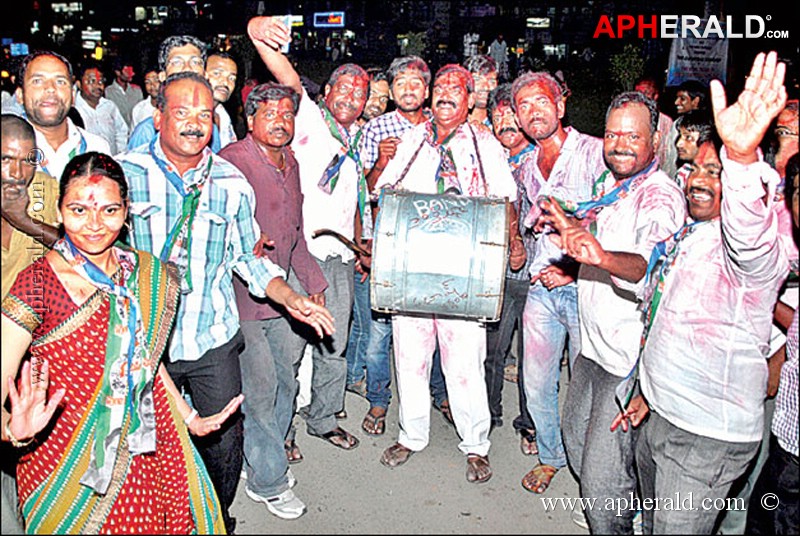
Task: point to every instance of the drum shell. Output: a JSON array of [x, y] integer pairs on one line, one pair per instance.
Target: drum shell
[[440, 254]]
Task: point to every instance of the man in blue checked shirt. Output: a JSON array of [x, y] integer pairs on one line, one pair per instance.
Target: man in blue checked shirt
[[194, 209]]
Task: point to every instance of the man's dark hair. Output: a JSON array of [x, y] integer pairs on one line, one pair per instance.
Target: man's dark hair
[[409, 63], [528, 79], [634, 97], [347, 68], [501, 95], [222, 54], [23, 67], [480, 64], [86, 67], [120, 62], [13, 126], [175, 41], [161, 100], [698, 121], [695, 88], [269, 91], [377, 75]]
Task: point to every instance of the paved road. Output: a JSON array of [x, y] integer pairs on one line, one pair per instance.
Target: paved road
[[351, 492]]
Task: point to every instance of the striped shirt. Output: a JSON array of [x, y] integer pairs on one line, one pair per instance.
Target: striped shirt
[[223, 235]]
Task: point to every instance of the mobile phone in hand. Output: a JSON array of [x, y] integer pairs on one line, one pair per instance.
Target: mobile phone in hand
[[287, 20]]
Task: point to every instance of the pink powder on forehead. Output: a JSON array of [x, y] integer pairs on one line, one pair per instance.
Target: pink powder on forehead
[[196, 97], [95, 179]]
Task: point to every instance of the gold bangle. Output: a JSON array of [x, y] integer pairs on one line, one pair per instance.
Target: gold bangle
[[517, 237], [16, 443]]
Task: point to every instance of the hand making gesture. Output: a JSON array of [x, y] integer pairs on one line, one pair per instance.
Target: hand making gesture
[[742, 125]]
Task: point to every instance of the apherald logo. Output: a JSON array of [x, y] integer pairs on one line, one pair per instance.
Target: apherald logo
[[683, 26]]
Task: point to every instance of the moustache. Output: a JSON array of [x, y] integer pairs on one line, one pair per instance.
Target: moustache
[[621, 153], [196, 133], [223, 88], [700, 189], [509, 129], [447, 103], [278, 130], [346, 105]]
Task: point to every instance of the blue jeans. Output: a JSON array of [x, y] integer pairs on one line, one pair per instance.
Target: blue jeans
[[379, 374], [437, 384], [358, 343], [550, 317], [269, 387]]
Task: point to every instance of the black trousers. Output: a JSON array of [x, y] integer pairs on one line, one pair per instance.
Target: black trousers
[[212, 381]]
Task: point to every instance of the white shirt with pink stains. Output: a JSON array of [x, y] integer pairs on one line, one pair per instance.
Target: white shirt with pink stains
[[704, 366], [314, 148], [421, 176], [610, 321]]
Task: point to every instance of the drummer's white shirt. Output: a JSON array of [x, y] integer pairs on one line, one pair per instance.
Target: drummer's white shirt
[[421, 176], [314, 148]]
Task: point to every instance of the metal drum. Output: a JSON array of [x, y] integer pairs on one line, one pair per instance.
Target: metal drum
[[439, 254]]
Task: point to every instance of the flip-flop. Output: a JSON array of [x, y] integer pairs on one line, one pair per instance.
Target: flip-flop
[[349, 440], [374, 424], [527, 442], [293, 454], [538, 479]]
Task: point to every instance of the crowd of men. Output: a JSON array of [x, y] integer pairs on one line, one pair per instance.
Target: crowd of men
[[650, 260]]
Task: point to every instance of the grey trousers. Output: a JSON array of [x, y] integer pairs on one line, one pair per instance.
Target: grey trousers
[[697, 470], [602, 459], [329, 362]]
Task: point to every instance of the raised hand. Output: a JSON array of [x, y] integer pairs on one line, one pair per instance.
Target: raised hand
[[270, 31], [201, 426], [30, 409], [742, 125]]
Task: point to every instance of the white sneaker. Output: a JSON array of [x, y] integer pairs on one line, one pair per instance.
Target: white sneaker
[[285, 506], [579, 517], [637, 523], [292, 481], [290, 478]]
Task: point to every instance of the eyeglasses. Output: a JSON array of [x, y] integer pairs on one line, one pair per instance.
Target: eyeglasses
[[180, 63]]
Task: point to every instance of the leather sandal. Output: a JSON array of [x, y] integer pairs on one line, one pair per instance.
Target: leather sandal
[[478, 469], [396, 455]]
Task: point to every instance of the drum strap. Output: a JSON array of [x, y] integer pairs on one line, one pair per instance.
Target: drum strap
[[408, 166], [477, 153], [480, 161]]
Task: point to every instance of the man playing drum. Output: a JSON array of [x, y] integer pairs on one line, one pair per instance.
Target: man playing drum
[[446, 154]]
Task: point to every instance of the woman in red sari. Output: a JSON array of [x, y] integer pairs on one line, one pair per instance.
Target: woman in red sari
[[109, 451]]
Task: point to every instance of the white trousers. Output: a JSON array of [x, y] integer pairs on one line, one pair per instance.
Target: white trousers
[[463, 348]]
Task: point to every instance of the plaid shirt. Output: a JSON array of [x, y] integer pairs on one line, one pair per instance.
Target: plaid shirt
[[375, 131], [223, 235], [784, 424]]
